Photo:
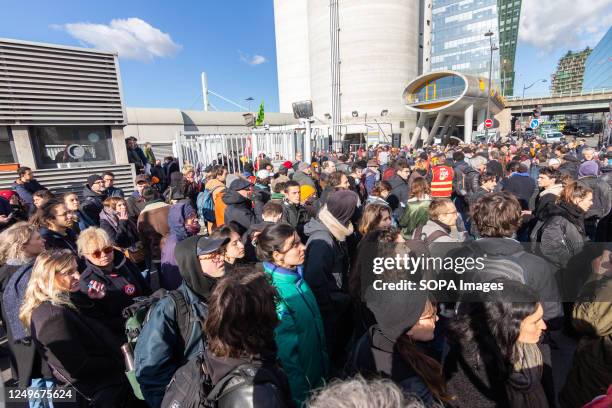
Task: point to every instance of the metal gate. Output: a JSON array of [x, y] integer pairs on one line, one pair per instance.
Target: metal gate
[[234, 149]]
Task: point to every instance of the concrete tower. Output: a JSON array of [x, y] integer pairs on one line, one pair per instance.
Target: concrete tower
[[378, 55]]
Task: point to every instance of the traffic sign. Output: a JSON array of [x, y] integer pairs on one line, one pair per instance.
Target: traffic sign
[[534, 123], [489, 123]]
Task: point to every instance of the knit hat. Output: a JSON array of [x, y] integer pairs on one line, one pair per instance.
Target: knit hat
[[93, 179], [240, 184], [230, 178], [306, 191], [303, 166], [395, 310], [588, 168], [553, 162], [288, 165], [342, 204]]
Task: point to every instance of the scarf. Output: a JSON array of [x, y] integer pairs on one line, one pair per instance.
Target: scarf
[[554, 189], [573, 214], [524, 384], [339, 231], [109, 216]]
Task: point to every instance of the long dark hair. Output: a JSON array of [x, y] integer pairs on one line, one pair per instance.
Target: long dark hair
[[427, 368], [271, 239], [492, 323], [45, 213]]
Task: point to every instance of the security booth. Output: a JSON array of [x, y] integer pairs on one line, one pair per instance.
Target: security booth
[[61, 108]]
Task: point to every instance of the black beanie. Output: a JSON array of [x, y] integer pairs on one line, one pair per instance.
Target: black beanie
[[93, 178], [342, 204]]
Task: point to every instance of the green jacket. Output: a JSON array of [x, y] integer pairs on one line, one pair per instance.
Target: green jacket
[[299, 336], [591, 371], [414, 216]]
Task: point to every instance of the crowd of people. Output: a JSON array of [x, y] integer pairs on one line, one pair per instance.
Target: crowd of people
[[248, 288]]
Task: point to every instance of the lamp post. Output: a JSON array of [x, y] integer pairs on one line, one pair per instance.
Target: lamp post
[[249, 100], [492, 48], [523, 100]]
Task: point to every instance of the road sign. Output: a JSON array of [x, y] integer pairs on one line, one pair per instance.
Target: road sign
[[488, 123], [534, 123]]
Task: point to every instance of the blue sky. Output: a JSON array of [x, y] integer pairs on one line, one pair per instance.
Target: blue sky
[[233, 41]]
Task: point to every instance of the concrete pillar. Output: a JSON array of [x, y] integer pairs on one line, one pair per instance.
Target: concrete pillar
[[23, 146], [447, 123], [434, 129], [480, 118], [425, 134], [118, 145], [417, 131], [468, 122]]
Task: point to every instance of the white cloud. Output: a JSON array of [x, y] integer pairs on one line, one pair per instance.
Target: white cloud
[[567, 24], [252, 60], [132, 38]]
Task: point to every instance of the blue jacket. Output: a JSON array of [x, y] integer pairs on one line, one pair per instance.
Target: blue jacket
[[155, 356], [25, 192]]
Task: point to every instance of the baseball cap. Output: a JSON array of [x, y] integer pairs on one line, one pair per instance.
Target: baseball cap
[[208, 245], [240, 184]]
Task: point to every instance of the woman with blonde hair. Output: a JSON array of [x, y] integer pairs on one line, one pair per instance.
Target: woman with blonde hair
[[80, 350], [80, 220], [115, 221], [108, 266], [19, 246], [375, 216]]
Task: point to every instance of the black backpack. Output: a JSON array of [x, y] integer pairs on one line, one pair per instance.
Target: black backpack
[[191, 386]]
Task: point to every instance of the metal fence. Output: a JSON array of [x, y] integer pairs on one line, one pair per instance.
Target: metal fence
[[234, 149]]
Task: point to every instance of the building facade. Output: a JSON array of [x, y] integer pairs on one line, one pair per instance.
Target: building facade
[[570, 72], [598, 66], [458, 41], [352, 58]]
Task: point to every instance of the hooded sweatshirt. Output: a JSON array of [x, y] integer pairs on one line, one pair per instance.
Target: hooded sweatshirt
[[160, 352], [239, 210], [92, 204]]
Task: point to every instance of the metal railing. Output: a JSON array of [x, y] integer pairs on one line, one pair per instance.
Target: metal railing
[[430, 95], [598, 91]]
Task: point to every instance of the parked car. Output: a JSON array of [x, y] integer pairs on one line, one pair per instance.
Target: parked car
[[552, 137]]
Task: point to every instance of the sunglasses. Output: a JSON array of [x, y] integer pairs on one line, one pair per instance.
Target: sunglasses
[[98, 253]]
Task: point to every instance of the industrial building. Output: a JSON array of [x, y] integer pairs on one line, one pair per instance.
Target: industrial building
[[598, 66], [570, 72], [353, 59], [458, 42]]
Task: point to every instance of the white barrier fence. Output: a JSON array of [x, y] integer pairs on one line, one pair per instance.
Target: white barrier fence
[[233, 149]]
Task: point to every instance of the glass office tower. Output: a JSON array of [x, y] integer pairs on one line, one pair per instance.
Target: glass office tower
[[459, 44], [598, 66]]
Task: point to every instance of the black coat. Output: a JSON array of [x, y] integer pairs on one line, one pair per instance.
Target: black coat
[[239, 210], [297, 216], [466, 180], [400, 192], [261, 195], [123, 284], [375, 356], [570, 166], [92, 204], [524, 189], [81, 350], [54, 240], [124, 236]]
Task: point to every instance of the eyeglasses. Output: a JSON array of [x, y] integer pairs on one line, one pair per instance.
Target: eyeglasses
[[63, 215], [98, 253]]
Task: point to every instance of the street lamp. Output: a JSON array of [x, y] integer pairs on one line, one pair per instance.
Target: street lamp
[[523, 99], [492, 48], [249, 100]]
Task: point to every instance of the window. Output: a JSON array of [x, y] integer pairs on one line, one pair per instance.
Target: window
[[71, 146], [7, 154]]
